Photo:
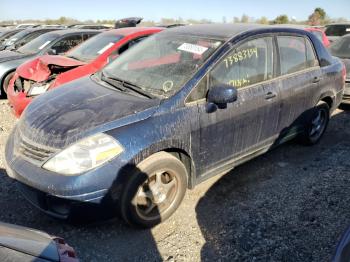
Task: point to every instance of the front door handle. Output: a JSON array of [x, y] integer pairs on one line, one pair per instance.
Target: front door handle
[[270, 95]]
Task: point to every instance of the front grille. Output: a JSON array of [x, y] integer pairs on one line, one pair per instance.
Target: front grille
[[31, 151]]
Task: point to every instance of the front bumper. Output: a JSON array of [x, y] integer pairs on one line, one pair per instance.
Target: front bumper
[[54, 193], [18, 100], [346, 97]]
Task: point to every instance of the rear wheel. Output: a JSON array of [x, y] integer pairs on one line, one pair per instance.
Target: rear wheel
[[154, 191], [317, 126], [5, 84]]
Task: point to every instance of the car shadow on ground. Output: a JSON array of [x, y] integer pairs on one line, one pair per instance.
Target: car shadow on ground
[[94, 240], [290, 204]]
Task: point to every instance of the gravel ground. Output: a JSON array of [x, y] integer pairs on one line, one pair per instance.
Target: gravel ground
[[291, 204]]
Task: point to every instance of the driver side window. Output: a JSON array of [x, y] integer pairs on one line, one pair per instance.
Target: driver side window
[[67, 43], [248, 64]]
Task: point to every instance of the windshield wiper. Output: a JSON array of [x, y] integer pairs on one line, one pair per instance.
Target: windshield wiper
[[74, 57], [126, 84], [113, 82]]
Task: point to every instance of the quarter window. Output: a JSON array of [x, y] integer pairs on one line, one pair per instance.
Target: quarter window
[[296, 54], [248, 64]]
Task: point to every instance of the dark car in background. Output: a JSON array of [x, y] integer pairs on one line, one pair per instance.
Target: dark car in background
[[86, 26], [53, 43], [4, 35], [23, 37], [22, 244], [341, 49], [182, 106], [335, 31], [128, 22]]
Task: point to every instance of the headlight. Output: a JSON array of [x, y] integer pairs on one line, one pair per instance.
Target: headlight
[[38, 90], [86, 154]]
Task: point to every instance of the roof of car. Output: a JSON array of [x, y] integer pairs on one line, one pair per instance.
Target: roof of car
[[77, 30], [225, 31], [130, 30]]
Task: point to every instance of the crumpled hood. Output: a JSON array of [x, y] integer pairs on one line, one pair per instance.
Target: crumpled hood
[[8, 55], [38, 69], [29, 241], [64, 115]]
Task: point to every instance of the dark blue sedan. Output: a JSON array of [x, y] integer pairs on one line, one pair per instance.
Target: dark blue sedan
[[182, 106]]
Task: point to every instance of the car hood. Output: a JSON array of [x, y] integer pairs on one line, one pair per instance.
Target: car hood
[[40, 68], [29, 241], [7, 55], [64, 115]]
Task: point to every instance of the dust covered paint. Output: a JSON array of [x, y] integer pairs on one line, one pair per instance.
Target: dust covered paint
[[209, 136]]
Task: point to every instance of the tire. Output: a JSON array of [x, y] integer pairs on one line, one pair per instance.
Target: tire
[[5, 84], [317, 125], [159, 181]]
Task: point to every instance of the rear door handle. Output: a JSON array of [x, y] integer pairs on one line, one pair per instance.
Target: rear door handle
[[316, 80], [270, 95]]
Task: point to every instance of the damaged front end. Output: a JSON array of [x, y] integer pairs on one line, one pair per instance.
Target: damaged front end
[[35, 78]]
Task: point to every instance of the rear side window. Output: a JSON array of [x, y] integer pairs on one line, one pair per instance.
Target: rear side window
[[128, 45], [296, 54], [67, 43], [248, 64], [86, 36]]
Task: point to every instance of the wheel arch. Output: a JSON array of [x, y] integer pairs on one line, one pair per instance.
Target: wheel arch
[[329, 98], [2, 79], [175, 148]]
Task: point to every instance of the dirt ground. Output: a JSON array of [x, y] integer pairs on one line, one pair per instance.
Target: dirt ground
[[291, 204]]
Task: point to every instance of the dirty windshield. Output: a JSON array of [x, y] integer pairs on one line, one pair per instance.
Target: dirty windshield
[[163, 63], [38, 43], [94, 47]]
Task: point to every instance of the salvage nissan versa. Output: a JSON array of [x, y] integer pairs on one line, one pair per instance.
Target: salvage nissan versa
[[182, 106]]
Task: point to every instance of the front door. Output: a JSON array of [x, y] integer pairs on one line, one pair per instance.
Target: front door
[[252, 120]]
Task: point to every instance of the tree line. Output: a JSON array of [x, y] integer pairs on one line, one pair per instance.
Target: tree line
[[318, 17]]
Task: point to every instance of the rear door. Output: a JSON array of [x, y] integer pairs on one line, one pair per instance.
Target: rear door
[[300, 75]]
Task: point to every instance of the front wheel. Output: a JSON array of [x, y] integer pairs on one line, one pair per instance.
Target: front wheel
[[317, 126], [5, 84], [154, 191]]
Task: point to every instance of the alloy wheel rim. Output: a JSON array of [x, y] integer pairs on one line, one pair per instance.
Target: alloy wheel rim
[[318, 123], [156, 195]]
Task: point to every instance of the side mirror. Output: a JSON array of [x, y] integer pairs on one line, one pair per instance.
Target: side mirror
[[51, 52], [222, 94]]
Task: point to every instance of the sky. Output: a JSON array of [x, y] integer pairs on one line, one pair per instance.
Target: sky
[[154, 10]]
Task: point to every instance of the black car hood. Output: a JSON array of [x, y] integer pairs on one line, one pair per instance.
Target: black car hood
[[7, 55], [64, 115], [29, 241]]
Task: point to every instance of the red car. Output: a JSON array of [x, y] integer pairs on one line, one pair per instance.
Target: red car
[[320, 35], [46, 72]]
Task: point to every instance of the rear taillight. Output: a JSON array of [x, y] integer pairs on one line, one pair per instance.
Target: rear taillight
[[344, 73]]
